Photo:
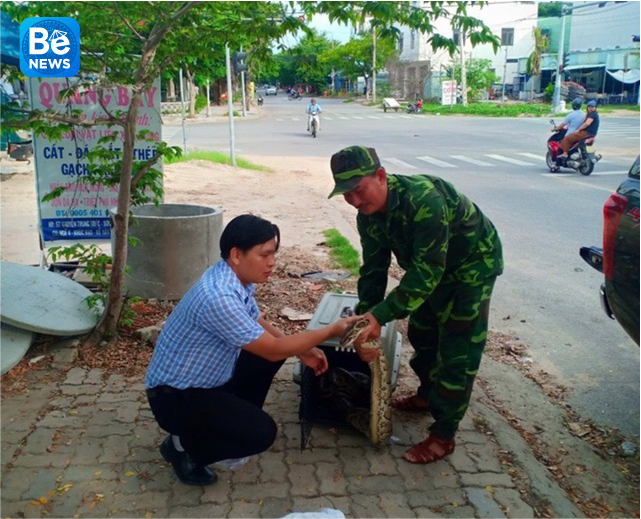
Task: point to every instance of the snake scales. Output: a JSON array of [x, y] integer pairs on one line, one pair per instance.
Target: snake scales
[[376, 423]]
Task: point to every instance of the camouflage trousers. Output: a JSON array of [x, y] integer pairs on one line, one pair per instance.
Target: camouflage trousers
[[448, 333]]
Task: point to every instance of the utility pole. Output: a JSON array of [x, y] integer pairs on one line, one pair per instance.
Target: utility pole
[[463, 73], [230, 108], [559, 64], [504, 74], [182, 104], [373, 64], [242, 86], [208, 98]]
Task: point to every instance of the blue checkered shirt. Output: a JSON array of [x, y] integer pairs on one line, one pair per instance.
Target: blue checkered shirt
[[202, 338]]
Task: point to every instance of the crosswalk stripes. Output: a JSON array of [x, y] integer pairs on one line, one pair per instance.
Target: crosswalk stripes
[[436, 162], [496, 156], [471, 161], [532, 155], [400, 163]]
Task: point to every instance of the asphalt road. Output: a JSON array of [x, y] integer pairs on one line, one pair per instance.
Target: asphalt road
[[547, 296]]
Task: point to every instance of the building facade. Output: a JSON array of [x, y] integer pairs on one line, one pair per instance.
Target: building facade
[[420, 69]]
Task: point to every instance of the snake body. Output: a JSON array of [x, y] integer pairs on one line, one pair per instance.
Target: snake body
[[377, 422]]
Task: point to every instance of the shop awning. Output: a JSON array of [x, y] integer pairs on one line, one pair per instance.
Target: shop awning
[[584, 66], [631, 76]]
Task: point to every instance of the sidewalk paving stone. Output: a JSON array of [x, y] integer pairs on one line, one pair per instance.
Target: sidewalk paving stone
[[93, 435]]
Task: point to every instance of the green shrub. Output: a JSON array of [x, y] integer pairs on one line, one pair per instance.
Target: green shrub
[[201, 102], [548, 93]]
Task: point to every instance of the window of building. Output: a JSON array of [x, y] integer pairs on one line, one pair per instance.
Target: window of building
[[412, 38], [507, 36], [400, 42], [547, 33]]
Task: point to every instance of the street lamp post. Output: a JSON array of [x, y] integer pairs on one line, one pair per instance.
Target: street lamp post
[[559, 64]]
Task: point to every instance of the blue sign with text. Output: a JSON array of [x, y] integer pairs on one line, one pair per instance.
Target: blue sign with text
[[49, 47]]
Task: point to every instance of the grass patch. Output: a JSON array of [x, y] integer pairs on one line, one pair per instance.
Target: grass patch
[[342, 252], [612, 108], [217, 157], [490, 109]]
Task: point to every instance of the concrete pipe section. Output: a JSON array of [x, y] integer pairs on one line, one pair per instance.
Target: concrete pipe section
[[176, 244]]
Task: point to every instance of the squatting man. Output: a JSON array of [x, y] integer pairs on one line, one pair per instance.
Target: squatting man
[[216, 357]]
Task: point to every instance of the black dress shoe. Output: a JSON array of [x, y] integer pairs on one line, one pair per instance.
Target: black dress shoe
[[185, 468]]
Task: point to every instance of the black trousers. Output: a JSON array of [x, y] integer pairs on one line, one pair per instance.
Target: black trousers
[[222, 422]]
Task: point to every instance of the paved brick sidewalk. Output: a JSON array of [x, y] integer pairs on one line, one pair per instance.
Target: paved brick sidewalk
[[87, 446]]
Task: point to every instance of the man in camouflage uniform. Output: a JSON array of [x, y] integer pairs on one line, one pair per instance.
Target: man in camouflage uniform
[[451, 254]]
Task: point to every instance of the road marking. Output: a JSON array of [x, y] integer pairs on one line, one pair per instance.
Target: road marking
[[597, 173], [327, 118], [405, 117], [373, 116], [533, 156], [507, 159], [343, 118], [436, 162], [584, 184], [357, 117], [471, 161], [279, 119], [295, 119], [400, 163], [593, 174]]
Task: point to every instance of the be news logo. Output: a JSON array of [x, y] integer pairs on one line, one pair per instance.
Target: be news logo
[[49, 47]]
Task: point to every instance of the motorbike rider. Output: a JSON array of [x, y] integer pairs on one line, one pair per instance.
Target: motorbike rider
[[573, 120], [588, 128], [313, 109]]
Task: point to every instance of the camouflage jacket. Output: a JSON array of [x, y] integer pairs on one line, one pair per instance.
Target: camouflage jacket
[[437, 236]]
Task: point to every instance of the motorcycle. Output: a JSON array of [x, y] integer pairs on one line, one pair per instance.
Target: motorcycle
[[581, 156], [415, 108], [314, 124], [259, 100], [294, 95]]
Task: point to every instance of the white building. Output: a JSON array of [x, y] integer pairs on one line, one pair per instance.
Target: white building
[[602, 56], [420, 69]]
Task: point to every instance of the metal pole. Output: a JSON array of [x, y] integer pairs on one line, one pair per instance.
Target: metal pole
[[208, 98], [559, 64], [374, 65], [333, 81], [242, 86], [182, 104], [463, 74], [230, 108], [504, 74]]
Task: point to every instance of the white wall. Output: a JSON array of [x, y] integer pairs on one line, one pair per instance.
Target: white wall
[[604, 27], [521, 16]]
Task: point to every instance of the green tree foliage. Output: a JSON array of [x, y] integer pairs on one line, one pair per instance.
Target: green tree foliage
[[355, 58], [387, 17], [479, 74], [550, 9], [306, 63], [130, 43], [533, 65]]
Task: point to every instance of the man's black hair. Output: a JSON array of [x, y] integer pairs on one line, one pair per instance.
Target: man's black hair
[[247, 231]]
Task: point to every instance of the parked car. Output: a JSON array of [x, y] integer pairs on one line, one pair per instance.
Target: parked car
[[271, 91], [618, 259]]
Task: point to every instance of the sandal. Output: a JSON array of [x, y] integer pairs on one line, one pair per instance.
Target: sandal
[[430, 450], [410, 404]]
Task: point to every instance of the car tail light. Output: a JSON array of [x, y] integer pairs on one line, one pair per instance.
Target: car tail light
[[612, 212]]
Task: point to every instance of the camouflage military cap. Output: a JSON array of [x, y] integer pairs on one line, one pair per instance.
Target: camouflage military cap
[[350, 165]]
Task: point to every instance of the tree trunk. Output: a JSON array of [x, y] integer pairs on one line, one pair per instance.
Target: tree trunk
[[108, 325], [171, 90]]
